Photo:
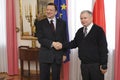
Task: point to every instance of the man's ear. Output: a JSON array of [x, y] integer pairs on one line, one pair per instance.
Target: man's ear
[[55, 12]]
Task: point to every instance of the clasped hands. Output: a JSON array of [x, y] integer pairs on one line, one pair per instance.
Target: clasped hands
[[57, 45]]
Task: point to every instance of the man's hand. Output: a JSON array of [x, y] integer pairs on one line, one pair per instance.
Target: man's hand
[[64, 58], [57, 45], [103, 71]]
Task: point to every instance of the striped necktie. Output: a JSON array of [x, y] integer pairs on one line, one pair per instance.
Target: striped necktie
[[85, 31]]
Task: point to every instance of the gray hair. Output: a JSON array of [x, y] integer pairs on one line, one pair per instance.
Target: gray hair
[[87, 11]]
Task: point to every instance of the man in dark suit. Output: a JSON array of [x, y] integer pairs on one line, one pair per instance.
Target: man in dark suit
[[50, 33], [92, 46]]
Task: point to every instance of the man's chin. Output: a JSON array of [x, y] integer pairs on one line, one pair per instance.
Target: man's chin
[[50, 17]]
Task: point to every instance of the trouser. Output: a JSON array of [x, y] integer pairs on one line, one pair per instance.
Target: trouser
[[45, 71], [91, 72]]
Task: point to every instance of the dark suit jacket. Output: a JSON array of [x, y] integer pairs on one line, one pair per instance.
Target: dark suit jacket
[[46, 36], [93, 47]]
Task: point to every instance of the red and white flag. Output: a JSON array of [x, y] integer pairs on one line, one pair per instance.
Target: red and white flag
[[99, 13]]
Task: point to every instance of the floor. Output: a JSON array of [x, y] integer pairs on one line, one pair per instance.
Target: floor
[[33, 76], [4, 76]]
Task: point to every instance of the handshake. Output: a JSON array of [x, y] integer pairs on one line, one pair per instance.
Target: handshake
[[57, 45]]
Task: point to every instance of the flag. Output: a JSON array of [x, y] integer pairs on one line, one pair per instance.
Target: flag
[[62, 13], [99, 13], [117, 42]]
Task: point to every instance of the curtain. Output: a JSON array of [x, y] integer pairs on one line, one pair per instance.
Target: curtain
[[117, 44], [74, 63], [12, 51], [3, 53]]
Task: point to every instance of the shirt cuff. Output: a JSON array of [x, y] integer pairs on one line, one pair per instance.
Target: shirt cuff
[[104, 66]]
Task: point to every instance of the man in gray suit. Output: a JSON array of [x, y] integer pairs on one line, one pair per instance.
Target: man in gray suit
[[50, 33]]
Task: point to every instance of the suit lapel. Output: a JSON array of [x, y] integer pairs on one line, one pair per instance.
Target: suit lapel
[[47, 22], [48, 25], [57, 25]]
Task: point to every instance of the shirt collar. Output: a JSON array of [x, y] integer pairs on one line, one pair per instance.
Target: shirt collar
[[89, 27], [54, 19]]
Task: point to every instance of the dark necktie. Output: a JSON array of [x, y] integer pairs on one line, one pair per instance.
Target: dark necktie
[[52, 25], [85, 31]]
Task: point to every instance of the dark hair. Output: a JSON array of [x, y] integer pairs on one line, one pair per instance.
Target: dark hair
[[52, 4]]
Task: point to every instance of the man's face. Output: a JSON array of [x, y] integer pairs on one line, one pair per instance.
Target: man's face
[[86, 19], [50, 11]]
